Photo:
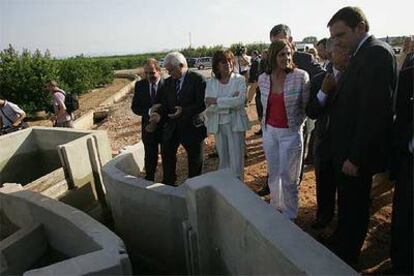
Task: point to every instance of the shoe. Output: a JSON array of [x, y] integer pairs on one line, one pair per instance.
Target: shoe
[[320, 223], [264, 191], [259, 132], [213, 155]]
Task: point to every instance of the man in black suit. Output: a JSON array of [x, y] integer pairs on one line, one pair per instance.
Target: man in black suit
[[402, 208], [322, 91], [360, 124], [182, 102], [146, 91]]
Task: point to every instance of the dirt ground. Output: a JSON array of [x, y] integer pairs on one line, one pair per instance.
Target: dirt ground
[[123, 129]]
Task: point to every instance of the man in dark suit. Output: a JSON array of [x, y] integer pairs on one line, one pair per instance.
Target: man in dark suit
[[360, 124], [182, 102], [402, 208], [146, 91], [322, 91]]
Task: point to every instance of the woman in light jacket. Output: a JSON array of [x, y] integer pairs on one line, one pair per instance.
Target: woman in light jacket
[[284, 94], [226, 116]]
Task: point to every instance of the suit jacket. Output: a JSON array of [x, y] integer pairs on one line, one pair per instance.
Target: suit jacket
[[141, 103], [306, 62], [361, 113], [189, 127], [318, 112]]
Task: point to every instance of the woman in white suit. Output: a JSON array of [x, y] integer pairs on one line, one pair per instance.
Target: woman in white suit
[[226, 117]]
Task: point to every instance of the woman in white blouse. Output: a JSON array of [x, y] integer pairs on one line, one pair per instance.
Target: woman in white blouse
[[226, 116]]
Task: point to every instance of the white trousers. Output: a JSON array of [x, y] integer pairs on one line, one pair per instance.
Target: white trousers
[[230, 148], [283, 150]]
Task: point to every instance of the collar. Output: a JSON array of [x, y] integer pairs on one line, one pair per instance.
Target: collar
[[336, 71], [360, 43], [156, 82]]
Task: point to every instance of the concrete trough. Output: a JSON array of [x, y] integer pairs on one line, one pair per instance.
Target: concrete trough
[[52, 238], [147, 216], [59, 162], [212, 224]]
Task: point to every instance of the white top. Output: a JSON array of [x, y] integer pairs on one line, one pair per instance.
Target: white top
[[230, 103], [12, 111]]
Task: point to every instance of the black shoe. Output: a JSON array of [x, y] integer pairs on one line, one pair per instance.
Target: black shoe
[[320, 223], [264, 191], [259, 132], [213, 155]]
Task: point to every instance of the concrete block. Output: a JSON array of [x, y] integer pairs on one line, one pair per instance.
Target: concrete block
[[22, 250], [235, 229], [75, 235], [148, 217]]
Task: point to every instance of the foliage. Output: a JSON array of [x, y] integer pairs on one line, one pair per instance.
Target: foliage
[[310, 39], [22, 76]]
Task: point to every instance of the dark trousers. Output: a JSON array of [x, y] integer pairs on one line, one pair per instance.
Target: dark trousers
[[152, 145], [169, 155], [325, 188], [402, 218], [259, 106], [353, 213]]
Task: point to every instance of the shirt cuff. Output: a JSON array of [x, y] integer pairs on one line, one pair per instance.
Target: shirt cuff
[[321, 97]]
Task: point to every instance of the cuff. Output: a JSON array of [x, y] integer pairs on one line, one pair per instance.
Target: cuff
[[321, 97]]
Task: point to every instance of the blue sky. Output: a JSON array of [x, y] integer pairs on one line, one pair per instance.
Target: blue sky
[[92, 27]]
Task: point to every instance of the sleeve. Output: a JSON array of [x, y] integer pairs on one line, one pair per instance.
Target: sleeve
[[15, 108], [305, 92], [59, 100], [234, 102], [198, 104], [136, 105], [314, 107], [377, 81]]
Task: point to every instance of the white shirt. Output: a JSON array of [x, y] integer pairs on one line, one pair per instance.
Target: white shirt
[[12, 111]]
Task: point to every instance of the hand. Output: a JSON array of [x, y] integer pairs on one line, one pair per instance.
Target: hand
[[178, 111], [16, 124], [329, 83], [154, 118], [236, 94], [210, 101], [154, 108], [349, 169]]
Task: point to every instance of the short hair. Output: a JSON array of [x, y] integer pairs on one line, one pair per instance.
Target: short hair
[[322, 41], [281, 28], [219, 56], [274, 49], [351, 16], [52, 83], [175, 59], [153, 61]]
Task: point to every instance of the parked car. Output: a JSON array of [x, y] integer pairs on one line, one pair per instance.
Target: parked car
[[203, 62], [191, 62]]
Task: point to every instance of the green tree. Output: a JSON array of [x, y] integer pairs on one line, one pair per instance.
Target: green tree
[[310, 39]]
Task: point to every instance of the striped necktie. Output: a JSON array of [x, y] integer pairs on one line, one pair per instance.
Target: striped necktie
[[153, 92], [177, 88]]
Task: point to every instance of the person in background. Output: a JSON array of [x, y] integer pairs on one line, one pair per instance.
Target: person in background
[[11, 115], [403, 59], [181, 101], [284, 94], [314, 53], [322, 91], [226, 115], [402, 207], [323, 53], [61, 117], [253, 75], [360, 125], [257, 99], [242, 63], [145, 93]]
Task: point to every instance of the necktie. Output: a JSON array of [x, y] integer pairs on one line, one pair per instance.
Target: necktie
[[153, 92], [177, 87]]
